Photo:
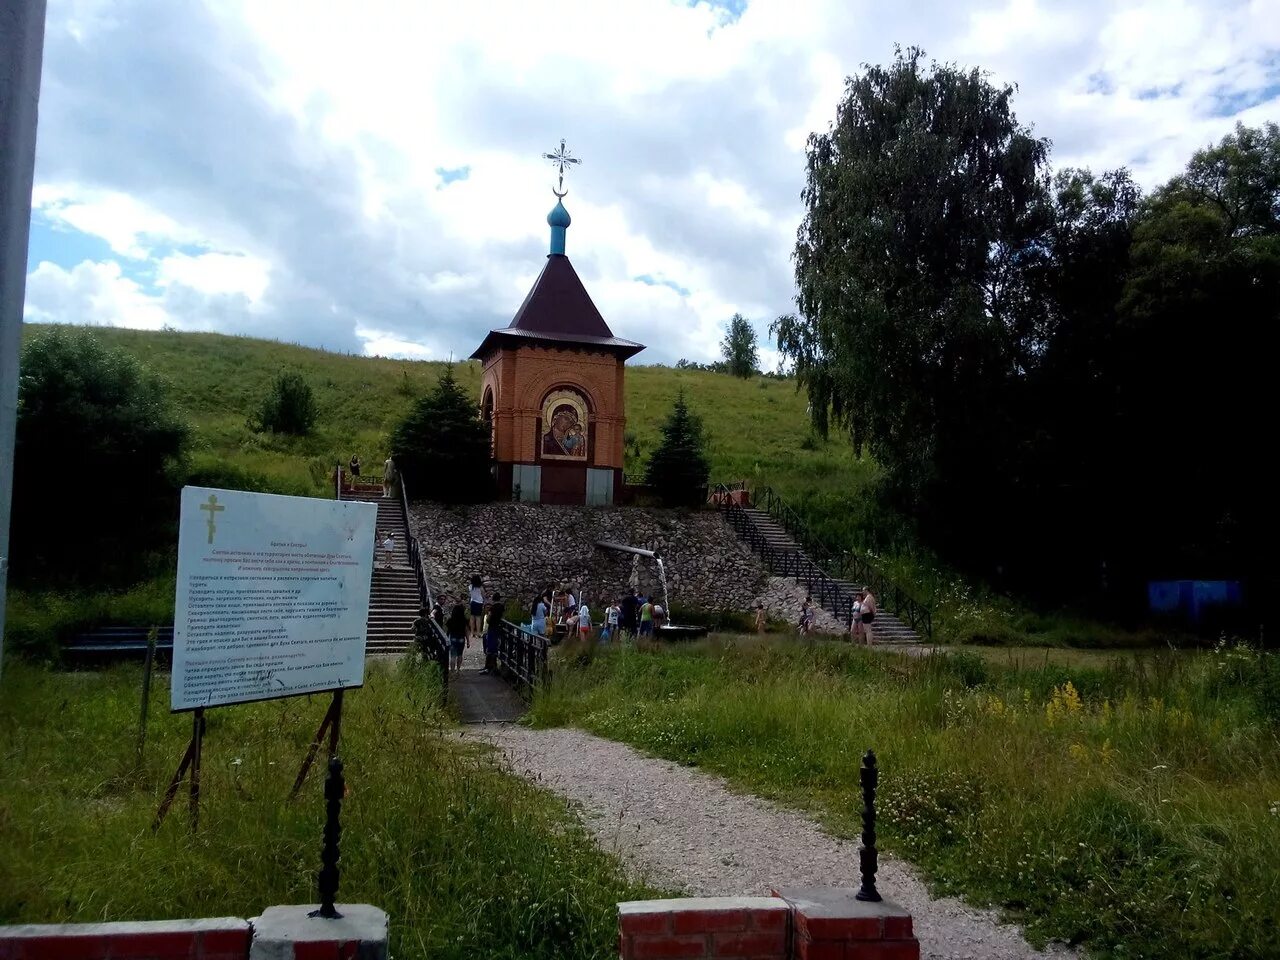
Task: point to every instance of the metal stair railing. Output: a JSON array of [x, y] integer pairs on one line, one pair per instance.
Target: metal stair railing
[[522, 656], [815, 560], [411, 542], [434, 645], [415, 550]]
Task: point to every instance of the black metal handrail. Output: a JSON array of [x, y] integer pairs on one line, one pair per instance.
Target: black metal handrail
[[522, 656], [434, 645], [824, 570], [415, 551]]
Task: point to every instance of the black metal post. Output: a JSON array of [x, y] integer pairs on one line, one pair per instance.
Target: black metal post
[[146, 694], [334, 787], [197, 738], [868, 856]]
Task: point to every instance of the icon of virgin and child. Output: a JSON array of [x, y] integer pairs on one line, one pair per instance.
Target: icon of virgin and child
[[564, 417]]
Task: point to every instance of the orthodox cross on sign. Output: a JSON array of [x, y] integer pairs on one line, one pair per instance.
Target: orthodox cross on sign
[[214, 508], [561, 159]]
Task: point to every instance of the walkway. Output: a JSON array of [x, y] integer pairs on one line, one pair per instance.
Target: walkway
[[480, 697], [679, 828]]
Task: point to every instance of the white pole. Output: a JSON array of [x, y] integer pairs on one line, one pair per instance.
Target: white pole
[[21, 52]]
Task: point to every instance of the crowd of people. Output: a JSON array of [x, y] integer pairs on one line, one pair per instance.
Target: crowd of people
[[556, 613]]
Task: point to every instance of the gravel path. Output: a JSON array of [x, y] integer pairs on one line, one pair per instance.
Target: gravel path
[[677, 827]]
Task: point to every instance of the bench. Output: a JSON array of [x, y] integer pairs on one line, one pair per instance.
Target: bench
[[109, 642]]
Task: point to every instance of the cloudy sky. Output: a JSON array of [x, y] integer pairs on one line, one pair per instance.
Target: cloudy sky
[[365, 175]]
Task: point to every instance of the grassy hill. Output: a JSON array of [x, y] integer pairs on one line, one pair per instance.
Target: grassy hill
[[758, 431], [758, 427]]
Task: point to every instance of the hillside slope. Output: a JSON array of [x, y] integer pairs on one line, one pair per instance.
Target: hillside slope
[[758, 431], [758, 427]]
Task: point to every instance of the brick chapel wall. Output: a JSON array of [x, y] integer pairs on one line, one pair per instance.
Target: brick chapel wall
[[521, 377]]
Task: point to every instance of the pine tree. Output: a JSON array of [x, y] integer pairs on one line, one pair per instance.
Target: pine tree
[[678, 468], [442, 446]]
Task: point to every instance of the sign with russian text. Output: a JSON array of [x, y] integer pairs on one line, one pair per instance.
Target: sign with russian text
[[273, 596]]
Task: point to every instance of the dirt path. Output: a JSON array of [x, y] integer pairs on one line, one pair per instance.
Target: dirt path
[[677, 827]]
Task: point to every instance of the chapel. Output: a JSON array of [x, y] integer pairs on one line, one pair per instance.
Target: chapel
[[552, 388]]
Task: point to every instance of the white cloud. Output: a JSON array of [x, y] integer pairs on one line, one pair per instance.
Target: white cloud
[[92, 293], [216, 273], [291, 148], [129, 226]]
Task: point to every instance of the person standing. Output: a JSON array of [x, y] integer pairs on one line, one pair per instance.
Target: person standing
[[477, 603], [539, 621], [492, 636], [354, 466], [422, 631], [630, 610], [868, 601], [806, 616], [855, 620], [388, 549], [584, 621], [759, 617], [388, 476], [459, 636], [646, 617], [611, 617]]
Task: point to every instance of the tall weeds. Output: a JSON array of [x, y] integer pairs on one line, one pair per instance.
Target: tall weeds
[[1132, 808]]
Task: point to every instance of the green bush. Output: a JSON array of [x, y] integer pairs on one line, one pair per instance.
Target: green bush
[[99, 450], [290, 408]]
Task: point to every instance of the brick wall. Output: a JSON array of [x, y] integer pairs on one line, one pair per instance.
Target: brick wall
[[520, 380], [223, 938], [281, 933], [748, 928], [809, 923]]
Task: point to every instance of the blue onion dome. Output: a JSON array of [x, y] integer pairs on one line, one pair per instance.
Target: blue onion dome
[[559, 217]]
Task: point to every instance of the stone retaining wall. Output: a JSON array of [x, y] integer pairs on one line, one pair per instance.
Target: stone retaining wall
[[519, 549]]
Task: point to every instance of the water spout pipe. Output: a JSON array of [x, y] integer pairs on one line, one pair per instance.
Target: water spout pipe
[[623, 548]]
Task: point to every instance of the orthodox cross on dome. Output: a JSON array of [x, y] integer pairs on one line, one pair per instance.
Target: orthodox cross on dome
[[561, 159]]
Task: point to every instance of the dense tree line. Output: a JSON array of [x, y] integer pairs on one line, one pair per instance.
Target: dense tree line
[[1066, 382]]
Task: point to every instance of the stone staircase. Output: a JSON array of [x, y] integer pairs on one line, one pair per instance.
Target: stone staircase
[[393, 599], [795, 563]]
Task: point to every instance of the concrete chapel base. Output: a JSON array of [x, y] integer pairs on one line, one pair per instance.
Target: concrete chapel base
[[291, 933]]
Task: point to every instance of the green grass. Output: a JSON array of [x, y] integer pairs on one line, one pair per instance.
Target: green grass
[[467, 860], [1136, 811], [758, 431], [758, 427]]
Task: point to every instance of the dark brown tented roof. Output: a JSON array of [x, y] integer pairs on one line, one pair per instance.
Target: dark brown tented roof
[[558, 308]]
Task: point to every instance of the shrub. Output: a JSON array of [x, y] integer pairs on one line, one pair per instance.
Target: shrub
[[289, 408], [442, 446], [96, 432]]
